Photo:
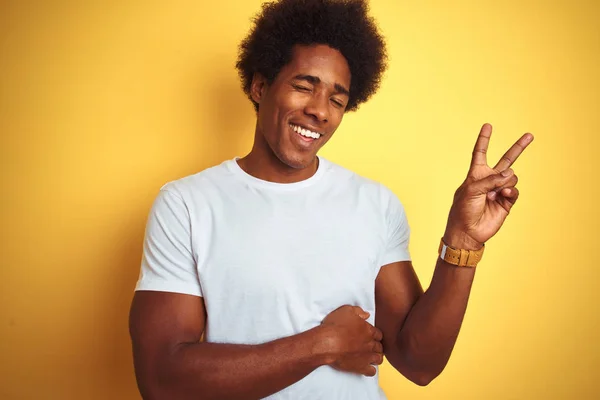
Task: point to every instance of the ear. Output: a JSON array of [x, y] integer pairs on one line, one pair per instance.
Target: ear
[[258, 87]]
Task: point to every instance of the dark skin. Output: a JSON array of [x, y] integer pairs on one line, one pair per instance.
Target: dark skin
[[312, 92], [416, 331]]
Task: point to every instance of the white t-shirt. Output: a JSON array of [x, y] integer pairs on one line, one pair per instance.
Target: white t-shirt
[[272, 260]]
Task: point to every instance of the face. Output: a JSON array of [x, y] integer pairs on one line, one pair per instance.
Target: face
[[301, 109]]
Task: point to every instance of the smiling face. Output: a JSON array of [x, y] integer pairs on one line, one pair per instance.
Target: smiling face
[[301, 109]]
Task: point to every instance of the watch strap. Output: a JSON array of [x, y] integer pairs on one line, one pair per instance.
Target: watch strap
[[460, 257]]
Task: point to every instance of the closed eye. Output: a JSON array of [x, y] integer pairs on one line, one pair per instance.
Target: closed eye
[[337, 103], [301, 88]]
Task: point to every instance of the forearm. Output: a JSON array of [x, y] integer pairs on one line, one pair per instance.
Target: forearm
[[429, 333], [229, 371]]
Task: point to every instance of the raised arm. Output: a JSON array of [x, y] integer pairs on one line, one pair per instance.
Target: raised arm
[[420, 329]]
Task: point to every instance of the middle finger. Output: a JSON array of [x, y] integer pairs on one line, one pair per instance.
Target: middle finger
[[514, 152]]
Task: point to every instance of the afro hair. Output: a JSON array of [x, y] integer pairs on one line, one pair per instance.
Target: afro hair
[[341, 24]]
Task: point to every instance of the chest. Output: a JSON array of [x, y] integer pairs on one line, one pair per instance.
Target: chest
[[302, 252]]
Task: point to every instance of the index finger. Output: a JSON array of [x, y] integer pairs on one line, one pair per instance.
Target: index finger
[[481, 146], [514, 152]]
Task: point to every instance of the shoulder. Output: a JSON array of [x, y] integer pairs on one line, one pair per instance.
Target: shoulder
[[377, 191], [343, 176], [192, 196], [198, 185]]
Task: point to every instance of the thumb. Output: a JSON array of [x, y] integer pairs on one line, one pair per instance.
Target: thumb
[[493, 181], [361, 313]]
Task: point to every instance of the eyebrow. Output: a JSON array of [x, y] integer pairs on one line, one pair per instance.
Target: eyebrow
[[316, 80]]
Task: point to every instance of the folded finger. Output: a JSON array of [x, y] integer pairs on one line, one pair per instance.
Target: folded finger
[[377, 347], [377, 334], [492, 194], [377, 359], [512, 195], [370, 371]]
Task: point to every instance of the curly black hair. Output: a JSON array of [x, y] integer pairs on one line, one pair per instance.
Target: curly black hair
[[341, 24]]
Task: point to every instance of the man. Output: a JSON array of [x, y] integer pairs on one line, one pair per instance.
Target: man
[[261, 276]]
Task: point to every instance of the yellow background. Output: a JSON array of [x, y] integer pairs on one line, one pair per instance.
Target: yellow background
[[102, 102]]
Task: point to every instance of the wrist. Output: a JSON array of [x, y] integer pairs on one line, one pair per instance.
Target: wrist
[[460, 240], [324, 345]]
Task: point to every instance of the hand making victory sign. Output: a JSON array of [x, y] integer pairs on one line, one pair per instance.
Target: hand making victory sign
[[483, 201]]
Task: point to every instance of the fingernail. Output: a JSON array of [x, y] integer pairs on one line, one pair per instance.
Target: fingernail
[[507, 172]]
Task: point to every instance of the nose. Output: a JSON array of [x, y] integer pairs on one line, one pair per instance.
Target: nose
[[318, 107]]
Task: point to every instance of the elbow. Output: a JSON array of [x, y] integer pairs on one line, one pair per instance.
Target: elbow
[[418, 374], [418, 377], [151, 389], [152, 384], [422, 379], [163, 387], [149, 392], [162, 392], [155, 389], [419, 367]]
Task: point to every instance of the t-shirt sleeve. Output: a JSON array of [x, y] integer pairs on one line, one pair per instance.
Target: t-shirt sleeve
[[168, 262], [398, 231]]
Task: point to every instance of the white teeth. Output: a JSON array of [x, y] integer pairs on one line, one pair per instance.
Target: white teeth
[[305, 132]]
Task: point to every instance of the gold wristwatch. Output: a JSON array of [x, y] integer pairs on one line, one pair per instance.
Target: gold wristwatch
[[460, 257]]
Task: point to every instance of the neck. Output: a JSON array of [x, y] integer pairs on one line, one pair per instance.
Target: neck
[[262, 163]]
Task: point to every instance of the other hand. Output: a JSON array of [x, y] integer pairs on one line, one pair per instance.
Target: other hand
[[356, 344]]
